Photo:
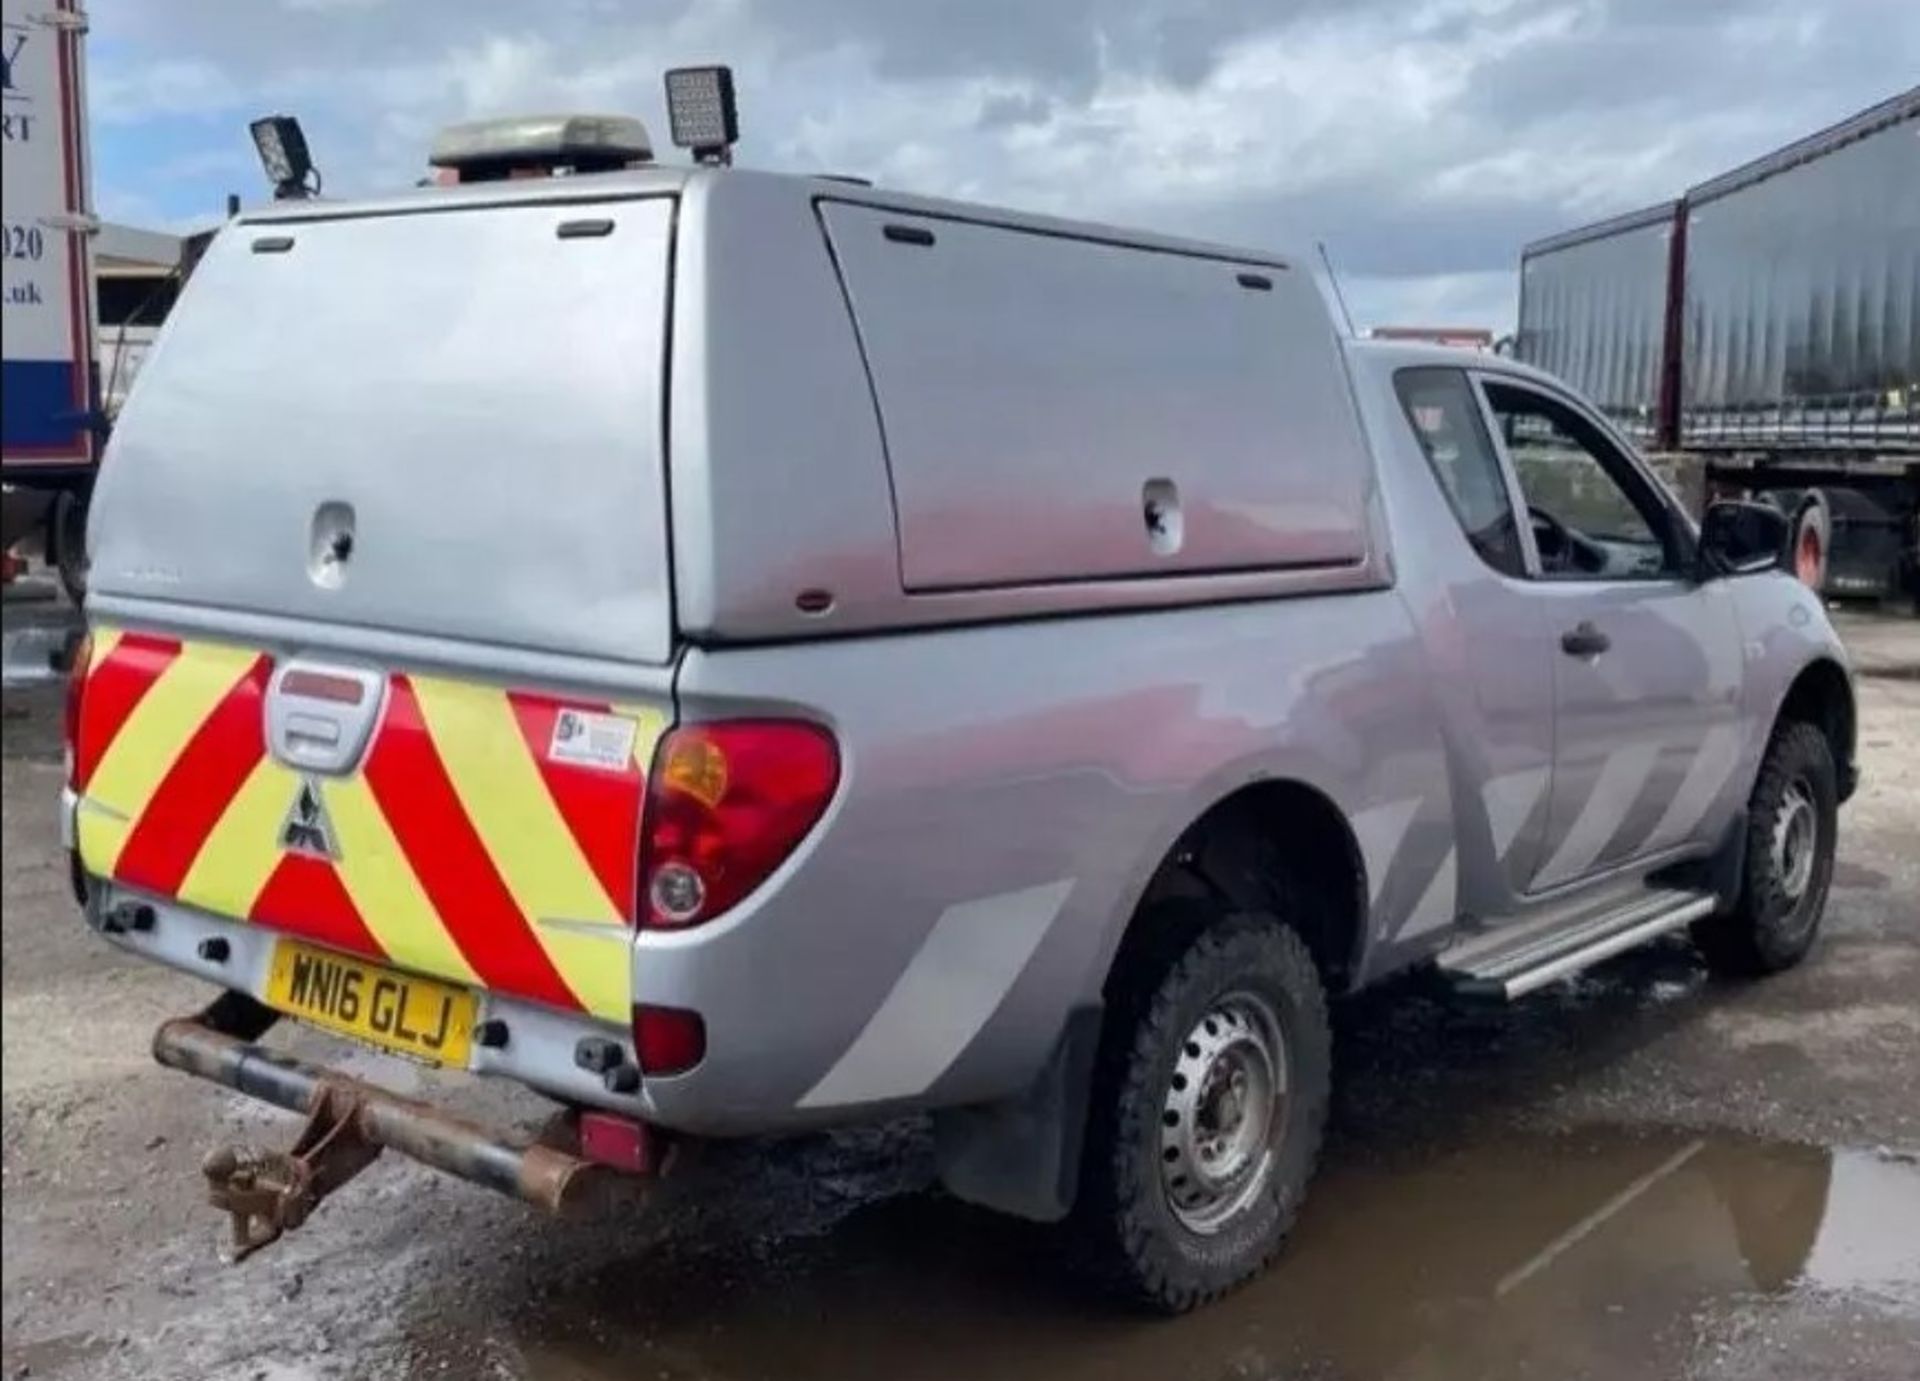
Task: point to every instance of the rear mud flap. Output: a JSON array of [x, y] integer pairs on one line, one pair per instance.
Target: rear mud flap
[[1022, 1155]]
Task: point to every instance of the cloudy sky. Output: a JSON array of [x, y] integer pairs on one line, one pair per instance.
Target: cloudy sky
[[1422, 140]]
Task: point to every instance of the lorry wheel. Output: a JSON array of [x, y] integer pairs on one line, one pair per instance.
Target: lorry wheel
[[1812, 540], [67, 543], [1209, 1095], [1789, 865]]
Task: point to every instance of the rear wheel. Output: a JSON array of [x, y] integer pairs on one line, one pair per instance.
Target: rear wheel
[[1792, 823], [1209, 1097]]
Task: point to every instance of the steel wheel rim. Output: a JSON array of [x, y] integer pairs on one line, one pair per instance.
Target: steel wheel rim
[[1223, 1113], [1796, 840]]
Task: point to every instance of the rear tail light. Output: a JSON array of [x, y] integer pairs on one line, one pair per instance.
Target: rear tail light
[[726, 804], [76, 692]]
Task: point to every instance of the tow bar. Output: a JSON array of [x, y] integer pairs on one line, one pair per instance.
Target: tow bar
[[349, 1123]]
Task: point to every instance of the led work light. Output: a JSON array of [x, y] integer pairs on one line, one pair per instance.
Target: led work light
[[283, 155], [701, 114]]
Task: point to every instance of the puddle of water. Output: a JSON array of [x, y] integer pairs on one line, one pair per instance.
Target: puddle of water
[[1598, 1256]]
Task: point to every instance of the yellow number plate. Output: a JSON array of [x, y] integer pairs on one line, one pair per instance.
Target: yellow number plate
[[401, 1012]]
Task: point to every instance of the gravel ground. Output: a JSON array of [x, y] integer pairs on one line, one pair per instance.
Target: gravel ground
[[1643, 1171]]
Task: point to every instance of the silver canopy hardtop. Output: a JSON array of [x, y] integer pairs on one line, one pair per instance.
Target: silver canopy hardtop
[[462, 386]]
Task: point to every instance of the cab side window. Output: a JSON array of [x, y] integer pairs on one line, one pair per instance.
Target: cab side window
[[1593, 516], [1446, 420]]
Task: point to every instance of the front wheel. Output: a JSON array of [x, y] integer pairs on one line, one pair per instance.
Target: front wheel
[[1209, 1098], [1792, 825]]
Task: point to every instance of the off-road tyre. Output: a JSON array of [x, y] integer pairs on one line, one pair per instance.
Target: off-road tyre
[[1127, 1232], [1773, 924]]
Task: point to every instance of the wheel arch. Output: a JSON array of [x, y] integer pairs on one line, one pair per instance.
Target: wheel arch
[[1278, 845], [1023, 1155], [1821, 694]]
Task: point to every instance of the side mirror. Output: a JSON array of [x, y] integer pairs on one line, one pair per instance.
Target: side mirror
[[1741, 539]]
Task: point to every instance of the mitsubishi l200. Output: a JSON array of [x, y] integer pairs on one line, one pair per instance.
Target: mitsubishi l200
[[742, 653]]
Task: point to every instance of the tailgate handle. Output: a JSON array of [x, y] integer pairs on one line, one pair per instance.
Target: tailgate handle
[[305, 728], [320, 716]]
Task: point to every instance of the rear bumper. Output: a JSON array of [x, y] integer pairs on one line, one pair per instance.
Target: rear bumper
[[540, 1045], [545, 1176]]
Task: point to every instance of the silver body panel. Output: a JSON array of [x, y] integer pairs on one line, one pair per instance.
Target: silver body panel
[[779, 467], [1232, 402], [1018, 756], [982, 765]]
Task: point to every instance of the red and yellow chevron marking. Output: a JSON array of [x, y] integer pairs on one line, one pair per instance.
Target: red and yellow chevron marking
[[465, 851]]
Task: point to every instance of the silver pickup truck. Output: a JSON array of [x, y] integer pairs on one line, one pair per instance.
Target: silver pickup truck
[[740, 653]]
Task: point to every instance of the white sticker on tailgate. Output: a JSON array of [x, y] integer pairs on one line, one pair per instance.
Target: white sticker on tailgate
[[589, 739]]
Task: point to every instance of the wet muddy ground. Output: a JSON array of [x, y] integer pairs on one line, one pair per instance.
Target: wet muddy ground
[[1639, 1173]]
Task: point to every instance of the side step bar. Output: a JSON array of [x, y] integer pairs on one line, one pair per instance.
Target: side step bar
[[1546, 959]]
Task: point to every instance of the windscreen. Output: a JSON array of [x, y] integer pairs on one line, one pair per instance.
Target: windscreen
[[444, 421]]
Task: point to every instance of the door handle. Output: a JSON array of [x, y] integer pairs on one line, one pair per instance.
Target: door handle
[[1584, 640]]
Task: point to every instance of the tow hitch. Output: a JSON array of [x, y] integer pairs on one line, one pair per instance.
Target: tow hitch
[[349, 1123], [268, 1192]]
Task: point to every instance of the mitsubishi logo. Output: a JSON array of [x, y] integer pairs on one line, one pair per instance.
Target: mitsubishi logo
[[307, 830]]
